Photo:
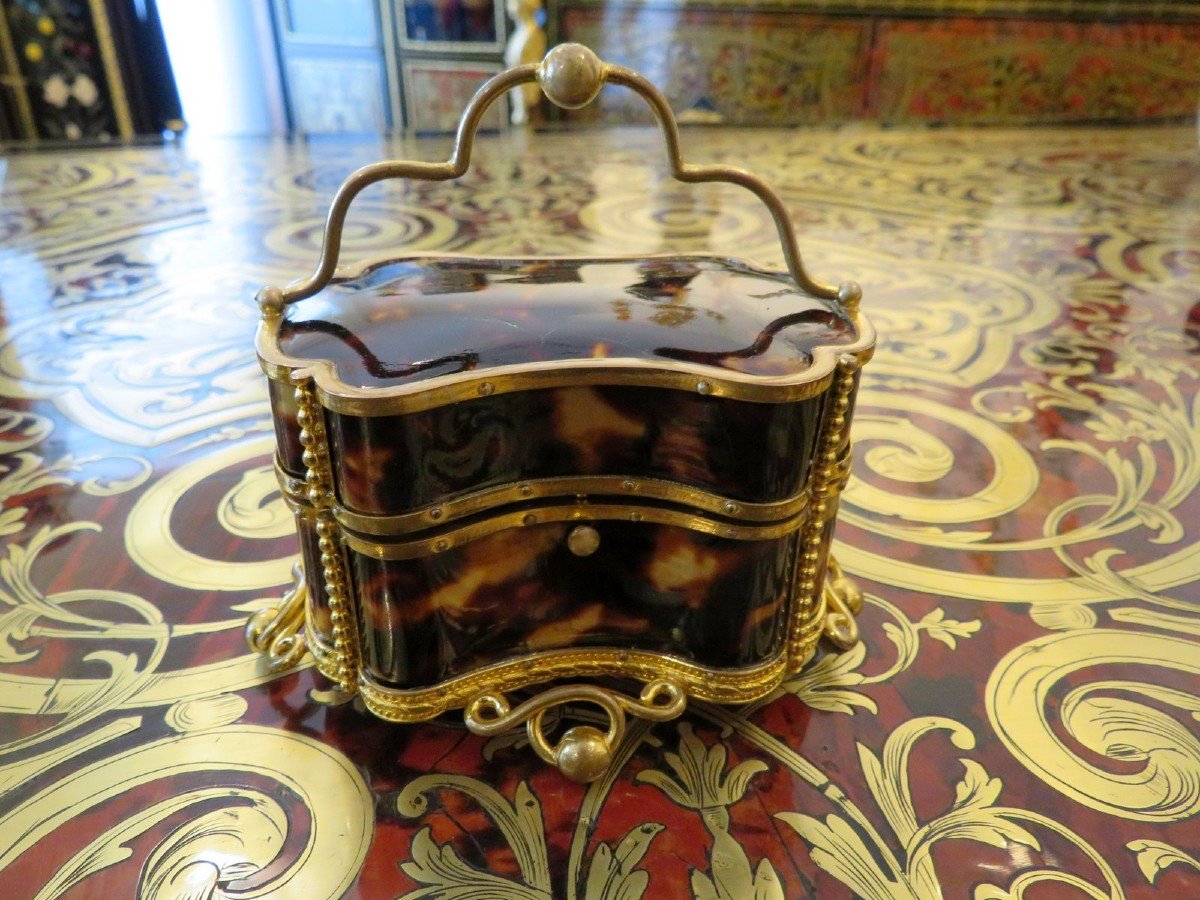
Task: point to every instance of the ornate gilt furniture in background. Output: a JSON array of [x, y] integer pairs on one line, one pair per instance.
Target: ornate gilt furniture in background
[[506, 472], [791, 62], [948, 61]]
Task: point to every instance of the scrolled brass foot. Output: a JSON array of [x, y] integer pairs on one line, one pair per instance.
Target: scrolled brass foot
[[584, 752], [277, 632], [333, 696], [844, 601]]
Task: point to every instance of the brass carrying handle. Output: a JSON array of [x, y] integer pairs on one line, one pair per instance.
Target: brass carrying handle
[[570, 76]]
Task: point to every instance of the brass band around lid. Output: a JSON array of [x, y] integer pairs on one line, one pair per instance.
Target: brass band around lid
[[337, 396], [571, 76], [603, 488], [442, 541]]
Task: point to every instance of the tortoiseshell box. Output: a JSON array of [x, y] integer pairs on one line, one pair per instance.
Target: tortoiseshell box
[[509, 472]]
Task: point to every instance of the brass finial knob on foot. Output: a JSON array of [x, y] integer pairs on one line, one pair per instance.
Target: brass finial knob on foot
[[583, 754]]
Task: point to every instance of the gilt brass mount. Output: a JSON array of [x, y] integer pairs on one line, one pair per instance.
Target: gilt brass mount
[[584, 752]]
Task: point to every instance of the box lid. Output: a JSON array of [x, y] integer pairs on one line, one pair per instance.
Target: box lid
[[411, 320]]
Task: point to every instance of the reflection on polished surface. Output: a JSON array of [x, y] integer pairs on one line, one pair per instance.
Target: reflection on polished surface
[[1024, 519], [413, 320]]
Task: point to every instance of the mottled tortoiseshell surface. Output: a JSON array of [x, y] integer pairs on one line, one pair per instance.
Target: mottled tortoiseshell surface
[[715, 601], [756, 452], [1024, 521], [720, 602], [412, 320]]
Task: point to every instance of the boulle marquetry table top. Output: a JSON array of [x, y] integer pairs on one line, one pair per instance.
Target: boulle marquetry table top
[[1020, 719]]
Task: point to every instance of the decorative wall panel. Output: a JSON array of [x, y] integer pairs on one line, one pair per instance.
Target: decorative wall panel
[[436, 90], [724, 66], [947, 61], [996, 71], [337, 95]]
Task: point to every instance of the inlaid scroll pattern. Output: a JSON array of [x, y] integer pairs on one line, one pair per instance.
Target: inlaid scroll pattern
[[1020, 716]]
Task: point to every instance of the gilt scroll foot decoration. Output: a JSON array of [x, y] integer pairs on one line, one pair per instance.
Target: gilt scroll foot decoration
[[584, 752], [277, 632], [843, 599]]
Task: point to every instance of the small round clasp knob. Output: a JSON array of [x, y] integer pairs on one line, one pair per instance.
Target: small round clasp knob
[[584, 540]]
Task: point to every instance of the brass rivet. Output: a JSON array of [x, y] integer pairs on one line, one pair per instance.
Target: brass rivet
[[526, 490], [584, 540], [730, 507], [635, 517], [486, 388], [529, 519], [703, 387], [629, 485], [441, 545], [435, 513]]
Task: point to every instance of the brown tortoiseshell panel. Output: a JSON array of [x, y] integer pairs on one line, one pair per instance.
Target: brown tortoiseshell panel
[[287, 430], [412, 320], [756, 452], [310, 554], [715, 601]]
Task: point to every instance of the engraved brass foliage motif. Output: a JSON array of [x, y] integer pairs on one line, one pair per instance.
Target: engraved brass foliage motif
[[1020, 719]]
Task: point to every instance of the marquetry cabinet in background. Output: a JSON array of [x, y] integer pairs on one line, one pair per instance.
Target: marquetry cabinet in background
[[795, 62], [84, 69]]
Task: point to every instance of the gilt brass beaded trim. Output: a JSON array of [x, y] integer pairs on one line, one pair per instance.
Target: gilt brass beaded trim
[[344, 664], [830, 470], [717, 685], [576, 512]]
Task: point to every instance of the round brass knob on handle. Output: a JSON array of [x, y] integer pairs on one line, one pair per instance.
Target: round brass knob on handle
[[571, 76], [584, 540]]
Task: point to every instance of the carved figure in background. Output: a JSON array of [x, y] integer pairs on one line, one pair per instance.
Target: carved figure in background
[[527, 45]]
